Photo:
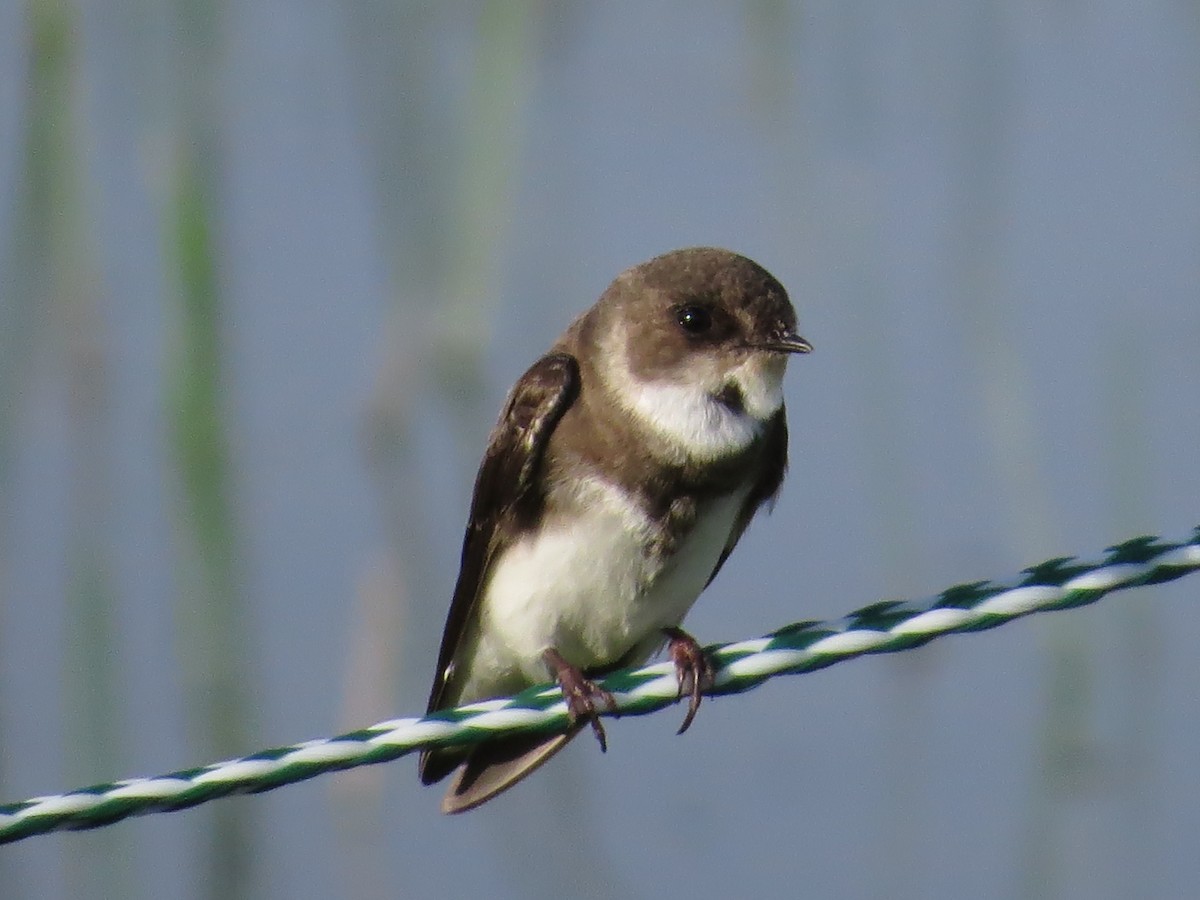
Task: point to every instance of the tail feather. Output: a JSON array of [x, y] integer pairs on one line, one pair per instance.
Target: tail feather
[[434, 765], [491, 767]]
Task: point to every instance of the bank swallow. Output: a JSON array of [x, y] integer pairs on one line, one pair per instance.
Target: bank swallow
[[625, 466]]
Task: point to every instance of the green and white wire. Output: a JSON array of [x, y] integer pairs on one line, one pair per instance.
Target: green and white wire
[[884, 627]]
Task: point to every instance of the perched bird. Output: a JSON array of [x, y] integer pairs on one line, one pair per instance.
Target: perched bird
[[625, 466]]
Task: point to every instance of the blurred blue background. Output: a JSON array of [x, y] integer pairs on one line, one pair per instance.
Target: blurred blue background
[[267, 270]]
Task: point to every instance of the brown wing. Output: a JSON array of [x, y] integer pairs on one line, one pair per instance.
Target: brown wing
[[505, 491], [774, 467]]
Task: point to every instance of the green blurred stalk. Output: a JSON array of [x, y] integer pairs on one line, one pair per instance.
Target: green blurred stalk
[[494, 129], [211, 609], [57, 280], [211, 612]]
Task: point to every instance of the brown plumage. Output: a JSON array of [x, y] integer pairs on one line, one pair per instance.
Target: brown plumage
[[658, 408]]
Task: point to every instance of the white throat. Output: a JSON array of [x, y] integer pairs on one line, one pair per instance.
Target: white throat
[[689, 416]]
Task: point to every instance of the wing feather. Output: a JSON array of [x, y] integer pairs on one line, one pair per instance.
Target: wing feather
[[505, 492]]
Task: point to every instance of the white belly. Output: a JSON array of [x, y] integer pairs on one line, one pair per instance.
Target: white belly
[[587, 587]]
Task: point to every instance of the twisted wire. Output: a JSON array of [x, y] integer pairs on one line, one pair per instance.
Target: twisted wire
[[885, 627]]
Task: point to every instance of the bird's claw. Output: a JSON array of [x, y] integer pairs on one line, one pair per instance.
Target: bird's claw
[[581, 694], [693, 669]]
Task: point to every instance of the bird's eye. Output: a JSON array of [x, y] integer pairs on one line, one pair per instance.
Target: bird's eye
[[694, 319]]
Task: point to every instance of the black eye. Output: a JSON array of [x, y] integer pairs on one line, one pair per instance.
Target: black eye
[[694, 319]]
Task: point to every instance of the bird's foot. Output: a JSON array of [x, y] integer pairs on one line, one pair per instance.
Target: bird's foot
[[581, 693], [693, 668]]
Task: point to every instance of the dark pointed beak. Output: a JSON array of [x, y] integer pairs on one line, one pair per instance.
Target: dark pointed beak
[[787, 343]]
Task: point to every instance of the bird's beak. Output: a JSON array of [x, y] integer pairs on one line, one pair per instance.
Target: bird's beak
[[787, 343]]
